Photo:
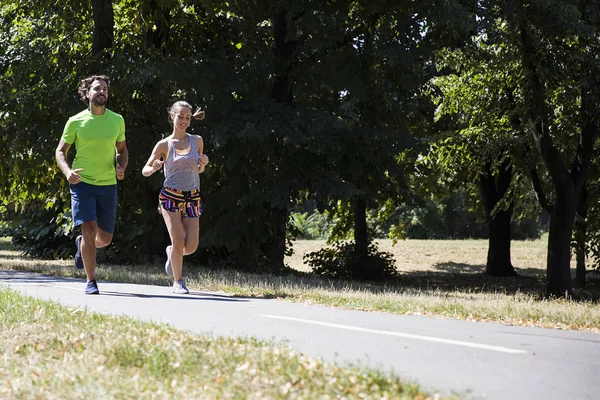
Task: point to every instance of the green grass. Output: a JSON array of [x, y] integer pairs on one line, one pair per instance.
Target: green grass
[[52, 352], [429, 283], [5, 244]]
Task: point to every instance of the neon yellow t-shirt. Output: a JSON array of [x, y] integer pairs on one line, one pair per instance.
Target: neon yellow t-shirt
[[95, 137]]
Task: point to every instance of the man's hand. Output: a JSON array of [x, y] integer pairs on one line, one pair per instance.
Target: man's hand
[[120, 172], [73, 177]]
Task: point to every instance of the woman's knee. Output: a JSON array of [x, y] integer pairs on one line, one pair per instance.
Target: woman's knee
[[178, 244], [190, 247]]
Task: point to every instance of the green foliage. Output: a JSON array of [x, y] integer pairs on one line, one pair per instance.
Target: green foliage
[[356, 72], [341, 261], [42, 230], [311, 226], [592, 222], [451, 217]]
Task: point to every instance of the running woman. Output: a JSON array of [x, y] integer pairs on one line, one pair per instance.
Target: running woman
[[179, 200]]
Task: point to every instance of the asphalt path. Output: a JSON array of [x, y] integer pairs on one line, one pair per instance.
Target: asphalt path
[[475, 360]]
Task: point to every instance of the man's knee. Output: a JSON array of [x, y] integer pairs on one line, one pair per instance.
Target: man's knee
[[88, 231], [103, 239]]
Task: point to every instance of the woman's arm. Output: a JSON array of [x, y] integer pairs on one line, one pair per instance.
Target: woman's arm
[[154, 162], [202, 158]]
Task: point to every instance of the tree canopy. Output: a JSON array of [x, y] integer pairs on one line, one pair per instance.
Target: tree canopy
[[341, 102]]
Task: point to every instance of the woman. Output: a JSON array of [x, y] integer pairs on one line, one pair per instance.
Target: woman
[[179, 200]]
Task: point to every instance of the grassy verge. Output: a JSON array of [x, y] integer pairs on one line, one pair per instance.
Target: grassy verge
[[52, 352], [429, 284]]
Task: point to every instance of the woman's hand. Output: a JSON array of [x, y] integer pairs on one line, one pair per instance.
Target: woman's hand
[[203, 160], [156, 165]]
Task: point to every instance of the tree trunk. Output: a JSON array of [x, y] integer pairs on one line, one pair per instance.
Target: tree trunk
[[274, 248], [493, 190], [284, 49], [581, 238], [559, 246], [157, 30], [369, 120], [361, 241], [103, 25], [498, 257], [567, 183], [282, 92]]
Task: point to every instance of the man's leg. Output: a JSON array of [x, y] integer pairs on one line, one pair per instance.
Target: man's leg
[[93, 238], [106, 210]]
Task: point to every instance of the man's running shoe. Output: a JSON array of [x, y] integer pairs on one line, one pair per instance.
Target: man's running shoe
[[78, 257]]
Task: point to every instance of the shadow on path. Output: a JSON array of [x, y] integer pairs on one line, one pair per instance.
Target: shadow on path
[[33, 277], [192, 296], [559, 337]]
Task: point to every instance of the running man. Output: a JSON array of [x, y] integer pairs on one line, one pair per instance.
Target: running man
[[100, 159]]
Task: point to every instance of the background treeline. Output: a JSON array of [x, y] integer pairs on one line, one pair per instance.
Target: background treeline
[[371, 109], [447, 218]]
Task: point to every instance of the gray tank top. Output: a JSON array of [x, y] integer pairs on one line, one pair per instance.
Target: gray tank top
[[181, 170]]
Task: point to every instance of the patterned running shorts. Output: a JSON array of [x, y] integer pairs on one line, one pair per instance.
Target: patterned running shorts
[[185, 202]]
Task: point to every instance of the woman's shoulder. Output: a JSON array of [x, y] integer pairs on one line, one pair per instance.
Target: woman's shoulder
[[198, 140], [163, 143]]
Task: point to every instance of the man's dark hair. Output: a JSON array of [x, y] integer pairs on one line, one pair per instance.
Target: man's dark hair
[[84, 86]]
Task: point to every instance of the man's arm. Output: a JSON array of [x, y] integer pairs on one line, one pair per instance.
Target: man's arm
[[122, 159], [61, 159]]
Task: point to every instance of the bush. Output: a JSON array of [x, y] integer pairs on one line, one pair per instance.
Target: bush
[[42, 231], [341, 261]]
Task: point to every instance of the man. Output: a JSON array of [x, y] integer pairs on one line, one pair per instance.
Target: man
[[100, 159]]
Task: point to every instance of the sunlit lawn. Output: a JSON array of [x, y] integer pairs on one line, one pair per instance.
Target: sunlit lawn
[[52, 352]]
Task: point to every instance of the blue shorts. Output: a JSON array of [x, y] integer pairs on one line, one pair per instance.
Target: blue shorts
[[94, 203]]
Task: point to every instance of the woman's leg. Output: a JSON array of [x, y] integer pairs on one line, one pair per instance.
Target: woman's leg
[[192, 233], [175, 226]]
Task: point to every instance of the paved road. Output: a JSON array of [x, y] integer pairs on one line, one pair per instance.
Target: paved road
[[476, 360]]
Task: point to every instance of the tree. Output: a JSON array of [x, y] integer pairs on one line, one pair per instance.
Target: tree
[[557, 53], [103, 25], [478, 143]]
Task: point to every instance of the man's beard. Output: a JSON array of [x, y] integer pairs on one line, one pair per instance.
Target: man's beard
[[99, 102]]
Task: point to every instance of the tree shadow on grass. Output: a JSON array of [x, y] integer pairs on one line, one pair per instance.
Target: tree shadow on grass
[[451, 277], [448, 277], [453, 267], [471, 280]]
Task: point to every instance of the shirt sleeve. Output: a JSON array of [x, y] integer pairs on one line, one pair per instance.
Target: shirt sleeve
[[121, 137], [69, 132]]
